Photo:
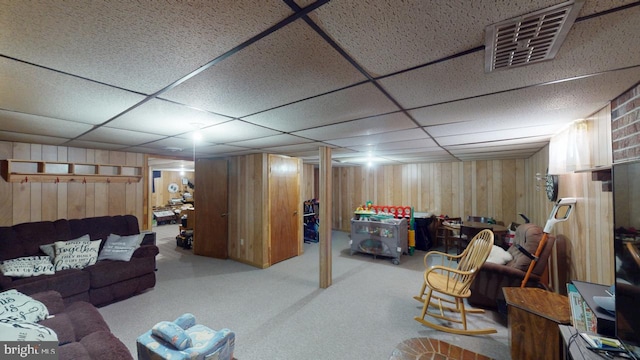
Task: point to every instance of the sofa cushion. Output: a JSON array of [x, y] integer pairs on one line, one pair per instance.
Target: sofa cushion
[[66, 282], [51, 299], [101, 345], [27, 266], [107, 272], [76, 255], [119, 248], [78, 320]]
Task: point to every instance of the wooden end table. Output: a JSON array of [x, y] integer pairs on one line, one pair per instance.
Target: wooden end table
[[534, 315]]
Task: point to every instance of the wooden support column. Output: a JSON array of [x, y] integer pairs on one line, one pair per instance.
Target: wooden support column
[[325, 217]]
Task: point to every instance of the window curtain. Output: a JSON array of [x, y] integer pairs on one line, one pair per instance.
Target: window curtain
[[570, 149]]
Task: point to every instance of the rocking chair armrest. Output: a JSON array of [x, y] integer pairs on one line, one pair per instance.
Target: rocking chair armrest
[[439, 253], [446, 269]]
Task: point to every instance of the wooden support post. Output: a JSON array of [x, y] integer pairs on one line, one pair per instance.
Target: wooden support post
[[325, 217]]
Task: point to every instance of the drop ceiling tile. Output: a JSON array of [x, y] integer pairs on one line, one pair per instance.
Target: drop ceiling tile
[[529, 141], [40, 125], [348, 104], [178, 146], [523, 152], [33, 90], [212, 150], [143, 46], [270, 141], [494, 147], [498, 155], [395, 136], [149, 150], [411, 145], [291, 149], [464, 77], [497, 135], [235, 130], [165, 118], [554, 104], [412, 32], [29, 138], [118, 136], [94, 145], [289, 65], [362, 127]]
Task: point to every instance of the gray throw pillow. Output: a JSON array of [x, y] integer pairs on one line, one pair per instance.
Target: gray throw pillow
[[120, 248]]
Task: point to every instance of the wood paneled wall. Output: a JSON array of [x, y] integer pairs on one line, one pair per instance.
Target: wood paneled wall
[[307, 190], [34, 201], [248, 210], [488, 188], [501, 189], [589, 230]]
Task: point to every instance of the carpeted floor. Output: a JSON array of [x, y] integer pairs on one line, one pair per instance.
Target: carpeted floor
[[281, 313]]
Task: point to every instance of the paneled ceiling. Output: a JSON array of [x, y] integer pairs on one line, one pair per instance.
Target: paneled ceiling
[[394, 81]]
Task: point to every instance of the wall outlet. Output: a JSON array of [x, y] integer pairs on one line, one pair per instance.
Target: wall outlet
[[241, 242]]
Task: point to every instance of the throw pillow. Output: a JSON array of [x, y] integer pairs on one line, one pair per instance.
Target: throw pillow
[[18, 307], [120, 248], [27, 266], [172, 333], [499, 255], [76, 255], [26, 331], [50, 250]]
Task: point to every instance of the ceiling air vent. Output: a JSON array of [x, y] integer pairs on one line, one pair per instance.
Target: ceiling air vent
[[530, 38]]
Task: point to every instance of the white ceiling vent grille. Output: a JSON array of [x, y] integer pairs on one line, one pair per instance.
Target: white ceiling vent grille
[[529, 38]]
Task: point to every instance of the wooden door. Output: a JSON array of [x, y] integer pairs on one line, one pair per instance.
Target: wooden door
[[284, 201], [210, 200]]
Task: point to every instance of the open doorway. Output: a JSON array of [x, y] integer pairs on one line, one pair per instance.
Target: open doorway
[[171, 190]]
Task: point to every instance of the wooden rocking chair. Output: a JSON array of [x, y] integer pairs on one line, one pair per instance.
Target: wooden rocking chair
[[454, 283]]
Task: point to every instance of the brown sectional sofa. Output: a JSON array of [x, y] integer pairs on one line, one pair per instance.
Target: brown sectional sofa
[[81, 330], [100, 284]]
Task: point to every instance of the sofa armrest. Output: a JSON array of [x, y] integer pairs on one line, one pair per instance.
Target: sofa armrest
[[51, 299], [506, 271], [146, 251], [148, 238]]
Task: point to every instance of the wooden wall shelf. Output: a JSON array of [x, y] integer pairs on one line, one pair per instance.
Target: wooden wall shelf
[[51, 171], [600, 173]]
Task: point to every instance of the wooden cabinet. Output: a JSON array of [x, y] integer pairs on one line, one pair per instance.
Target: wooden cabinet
[[51, 171], [534, 316]]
